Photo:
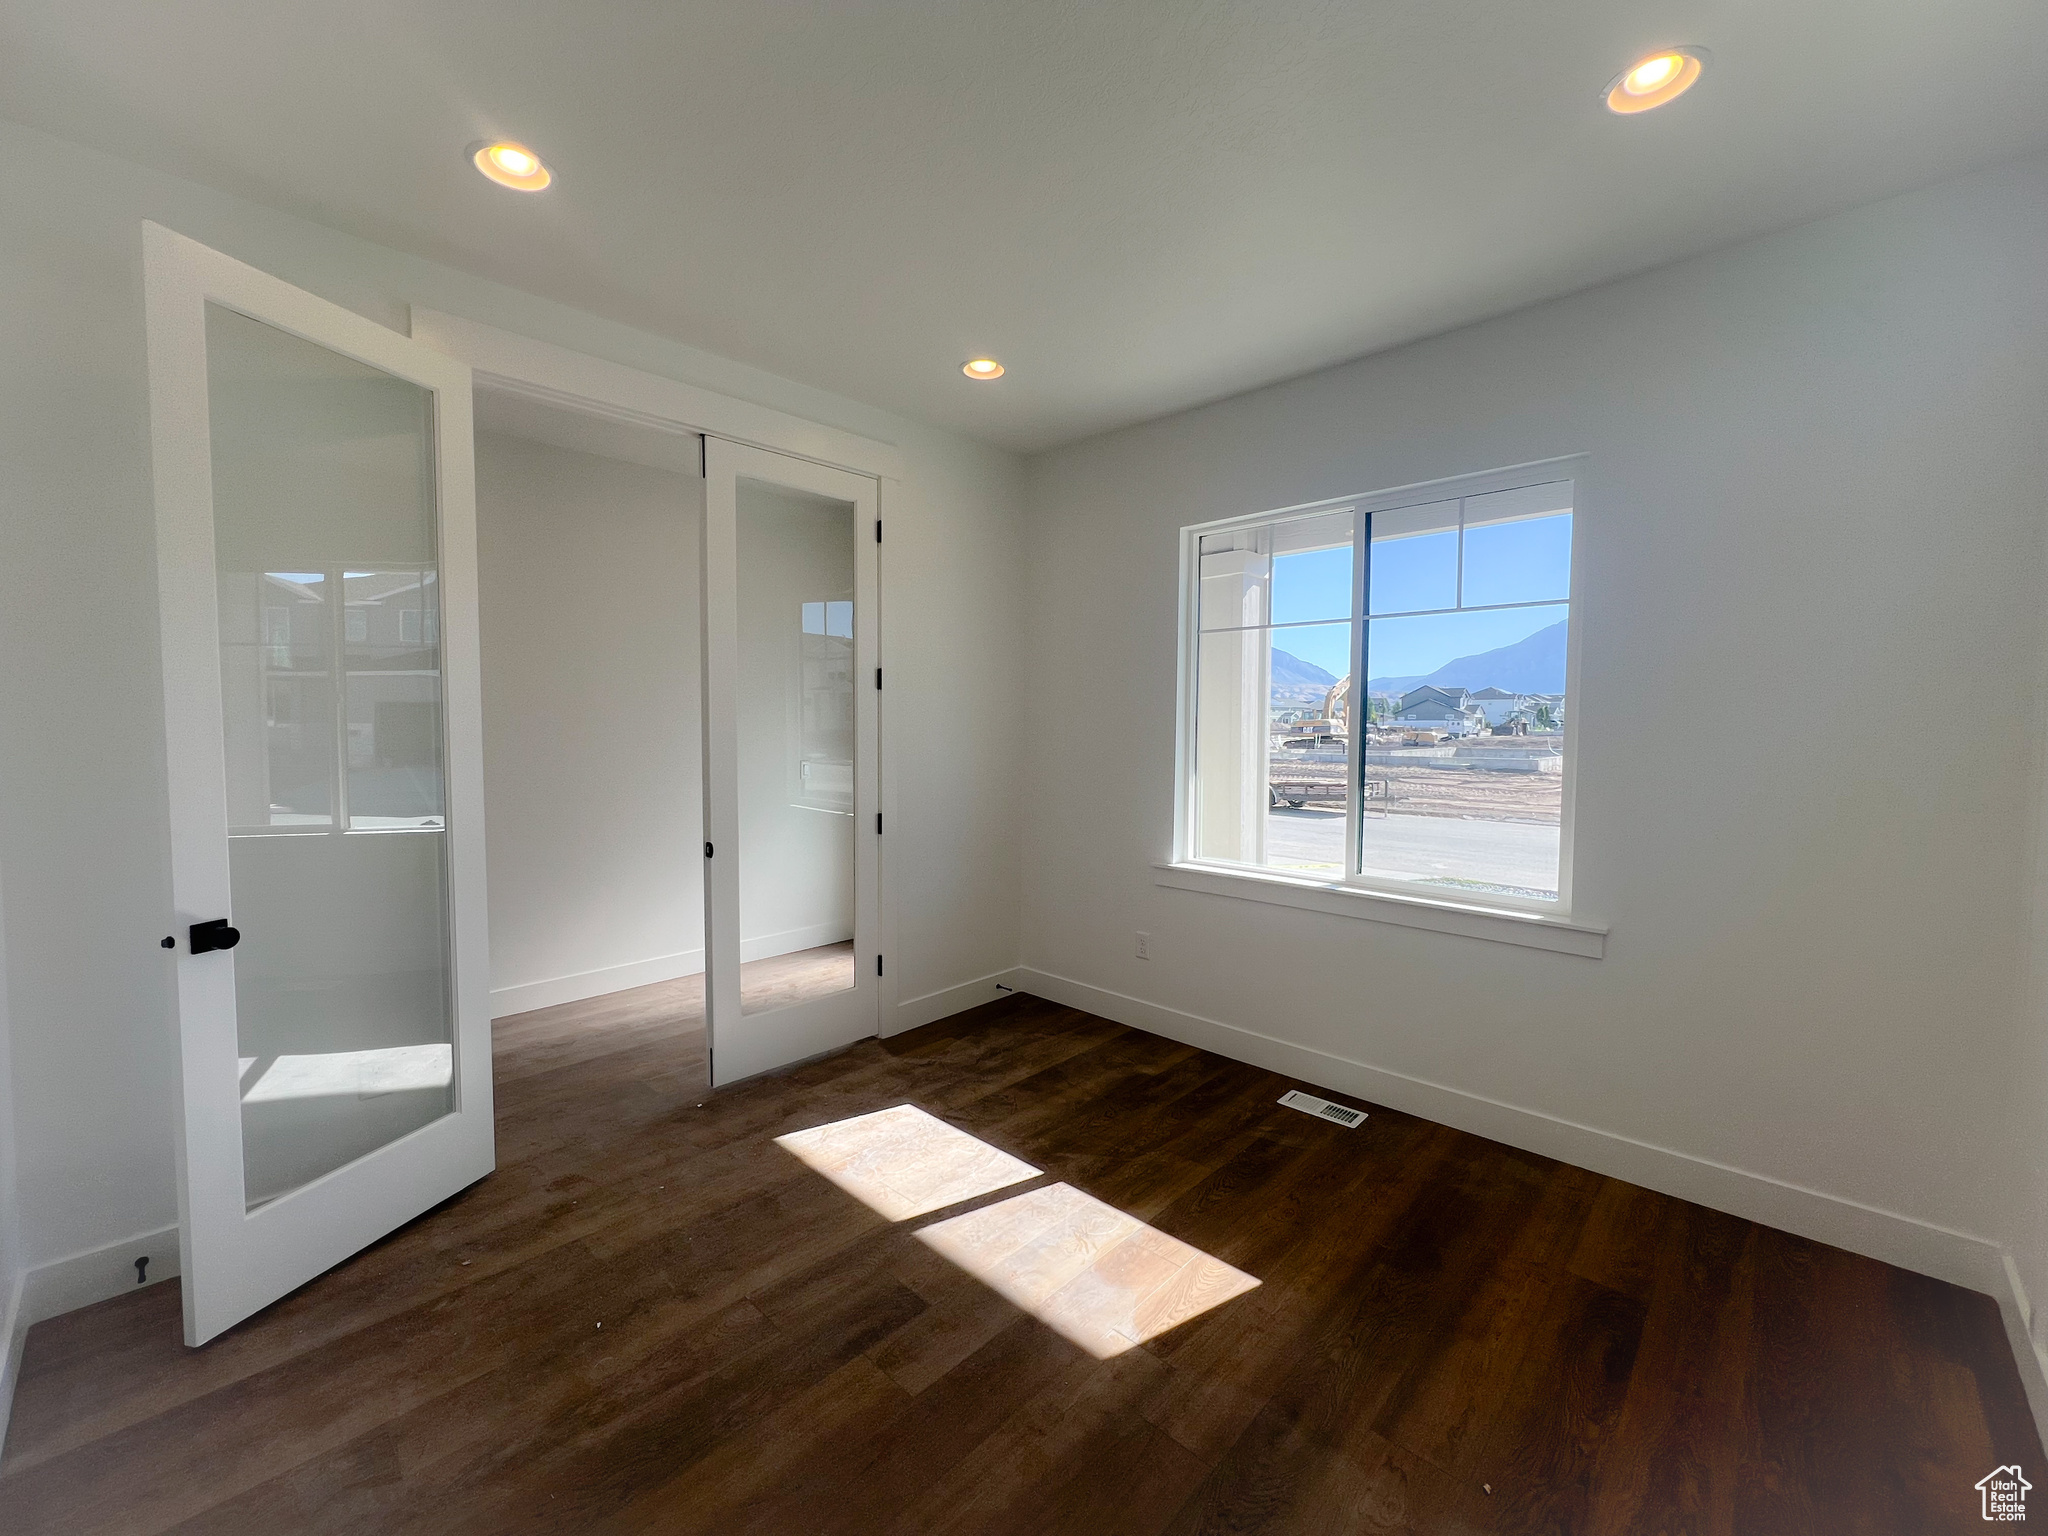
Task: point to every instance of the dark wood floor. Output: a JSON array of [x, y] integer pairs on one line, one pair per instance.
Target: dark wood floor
[[1437, 1315]]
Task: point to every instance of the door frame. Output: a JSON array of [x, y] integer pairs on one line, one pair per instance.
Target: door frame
[[236, 1261], [560, 376]]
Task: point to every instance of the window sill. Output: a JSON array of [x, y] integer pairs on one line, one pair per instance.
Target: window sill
[[1504, 925]]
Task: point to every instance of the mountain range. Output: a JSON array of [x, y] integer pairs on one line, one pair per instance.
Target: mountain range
[[1531, 665], [1291, 673]]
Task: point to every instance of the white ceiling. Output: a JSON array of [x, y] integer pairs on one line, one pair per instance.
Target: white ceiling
[[1137, 205]]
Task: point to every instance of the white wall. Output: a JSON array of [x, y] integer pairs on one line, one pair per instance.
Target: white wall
[[590, 584], [953, 595], [1817, 470], [2025, 1193], [83, 828]]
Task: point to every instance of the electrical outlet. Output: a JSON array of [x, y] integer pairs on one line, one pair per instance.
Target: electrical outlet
[[1144, 946]]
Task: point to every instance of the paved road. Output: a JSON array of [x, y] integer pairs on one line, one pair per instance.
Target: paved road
[[1518, 854]]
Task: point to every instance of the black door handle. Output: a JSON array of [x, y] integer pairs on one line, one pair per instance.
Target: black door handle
[[207, 937]]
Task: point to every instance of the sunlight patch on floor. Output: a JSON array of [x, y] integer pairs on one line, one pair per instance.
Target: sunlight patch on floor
[[903, 1162], [1099, 1278]]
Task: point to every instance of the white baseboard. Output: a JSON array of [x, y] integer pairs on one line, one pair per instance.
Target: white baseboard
[[64, 1285], [529, 995], [10, 1357], [947, 1001], [1958, 1257], [2026, 1352], [768, 945]]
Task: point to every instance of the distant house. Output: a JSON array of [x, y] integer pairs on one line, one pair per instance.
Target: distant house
[[1449, 710], [1496, 704]]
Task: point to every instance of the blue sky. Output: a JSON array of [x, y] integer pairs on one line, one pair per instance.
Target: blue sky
[[1504, 563]]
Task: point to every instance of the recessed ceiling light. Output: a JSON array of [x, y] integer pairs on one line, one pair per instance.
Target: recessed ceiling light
[[1664, 76], [510, 165], [982, 368]]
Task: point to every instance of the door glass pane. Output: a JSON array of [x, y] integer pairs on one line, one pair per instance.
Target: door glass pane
[[325, 554], [795, 718]]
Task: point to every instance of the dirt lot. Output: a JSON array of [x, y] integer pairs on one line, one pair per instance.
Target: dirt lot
[[1479, 792]]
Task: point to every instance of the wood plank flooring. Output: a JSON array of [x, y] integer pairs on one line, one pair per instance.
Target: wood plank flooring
[[653, 1318]]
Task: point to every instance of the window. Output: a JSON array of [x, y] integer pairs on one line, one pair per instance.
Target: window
[[1376, 690]]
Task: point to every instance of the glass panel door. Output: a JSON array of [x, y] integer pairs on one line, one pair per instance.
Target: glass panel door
[[316, 549], [326, 566], [791, 686]]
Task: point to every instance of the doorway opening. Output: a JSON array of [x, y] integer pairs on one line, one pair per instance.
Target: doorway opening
[[592, 583]]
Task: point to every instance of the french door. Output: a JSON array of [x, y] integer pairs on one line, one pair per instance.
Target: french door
[[792, 828], [317, 574]]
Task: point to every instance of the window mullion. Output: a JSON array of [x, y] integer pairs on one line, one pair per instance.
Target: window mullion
[[1460, 589], [1354, 767]]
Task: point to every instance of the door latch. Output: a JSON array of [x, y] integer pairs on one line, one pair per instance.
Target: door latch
[[207, 937]]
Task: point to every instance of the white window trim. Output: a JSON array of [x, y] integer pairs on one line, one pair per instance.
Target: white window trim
[[1517, 920], [1373, 903]]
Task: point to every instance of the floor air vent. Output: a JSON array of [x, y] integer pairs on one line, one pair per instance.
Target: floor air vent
[[1323, 1109]]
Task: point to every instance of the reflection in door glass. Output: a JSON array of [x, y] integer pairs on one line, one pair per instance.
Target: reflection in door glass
[[825, 752], [330, 627], [289, 781], [393, 662], [795, 719]]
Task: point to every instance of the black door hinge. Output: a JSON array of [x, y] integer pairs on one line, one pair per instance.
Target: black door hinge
[[878, 823], [878, 965], [878, 530], [707, 850], [878, 677]]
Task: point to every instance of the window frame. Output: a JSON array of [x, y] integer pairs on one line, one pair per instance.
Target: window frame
[[1408, 894]]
